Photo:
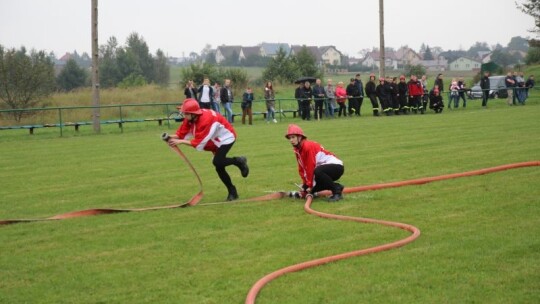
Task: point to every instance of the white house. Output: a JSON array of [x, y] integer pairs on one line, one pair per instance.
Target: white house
[[464, 64]]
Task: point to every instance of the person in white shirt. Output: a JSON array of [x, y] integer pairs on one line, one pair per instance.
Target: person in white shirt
[[206, 94]]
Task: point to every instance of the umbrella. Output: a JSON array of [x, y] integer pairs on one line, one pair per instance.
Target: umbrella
[[304, 79]]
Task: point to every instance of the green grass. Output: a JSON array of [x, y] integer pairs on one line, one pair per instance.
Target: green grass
[[479, 241]]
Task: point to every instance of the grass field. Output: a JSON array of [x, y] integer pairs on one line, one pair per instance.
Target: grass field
[[479, 241]]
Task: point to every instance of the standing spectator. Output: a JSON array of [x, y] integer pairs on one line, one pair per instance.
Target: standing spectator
[[462, 89], [247, 103], [305, 102], [384, 96], [424, 83], [227, 98], [319, 169], [319, 94], [415, 94], [269, 97], [394, 93], [352, 93], [402, 94], [331, 100], [190, 91], [520, 88], [360, 99], [206, 94], [341, 96], [206, 130], [217, 97], [435, 100], [439, 81], [485, 86], [510, 85], [454, 94], [298, 96], [371, 93], [528, 85]]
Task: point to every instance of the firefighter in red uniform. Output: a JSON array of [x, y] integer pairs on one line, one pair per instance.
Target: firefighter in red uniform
[[318, 168], [209, 131]]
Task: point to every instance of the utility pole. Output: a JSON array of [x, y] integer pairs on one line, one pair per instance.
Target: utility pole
[[95, 70], [382, 57]]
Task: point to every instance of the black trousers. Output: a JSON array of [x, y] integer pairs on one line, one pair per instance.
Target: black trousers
[[306, 111], [325, 175], [221, 161]]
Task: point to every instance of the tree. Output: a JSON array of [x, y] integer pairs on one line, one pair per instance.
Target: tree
[[427, 54], [478, 47], [533, 55], [281, 68], [532, 8], [72, 76], [502, 58], [108, 67], [417, 70], [307, 63], [139, 51], [25, 79], [161, 68], [519, 44]]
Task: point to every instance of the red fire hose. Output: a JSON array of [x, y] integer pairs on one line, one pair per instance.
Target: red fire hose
[[253, 292], [191, 202]]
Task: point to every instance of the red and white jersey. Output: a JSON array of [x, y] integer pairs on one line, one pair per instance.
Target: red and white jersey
[[208, 132], [311, 155]]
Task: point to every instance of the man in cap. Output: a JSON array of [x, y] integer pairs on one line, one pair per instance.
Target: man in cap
[[207, 130], [319, 169]]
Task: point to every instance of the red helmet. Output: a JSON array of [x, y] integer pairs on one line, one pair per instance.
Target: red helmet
[[381, 78], [294, 130], [191, 106]]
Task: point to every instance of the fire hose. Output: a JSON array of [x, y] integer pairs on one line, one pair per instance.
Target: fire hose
[[255, 289], [191, 202], [415, 232]]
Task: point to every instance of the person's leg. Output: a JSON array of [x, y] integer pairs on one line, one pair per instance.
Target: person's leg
[[325, 176], [228, 111], [244, 113], [250, 114], [221, 161]]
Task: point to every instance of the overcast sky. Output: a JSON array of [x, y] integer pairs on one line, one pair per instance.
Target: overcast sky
[[180, 27]]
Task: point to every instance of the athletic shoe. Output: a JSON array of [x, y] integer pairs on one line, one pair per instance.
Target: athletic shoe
[[242, 164], [233, 195], [275, 121], [334, 198]]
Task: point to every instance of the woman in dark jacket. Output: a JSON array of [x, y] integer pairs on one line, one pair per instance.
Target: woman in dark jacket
[[305, 100]]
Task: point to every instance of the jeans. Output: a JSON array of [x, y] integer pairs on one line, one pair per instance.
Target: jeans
[[215, 107], [228, 111], [329, 110]]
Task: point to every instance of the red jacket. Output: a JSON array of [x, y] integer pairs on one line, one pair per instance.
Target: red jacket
[[208, 132], [310, 155], [415, 88], [341, 94]]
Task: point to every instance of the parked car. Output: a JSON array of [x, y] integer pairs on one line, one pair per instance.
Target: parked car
[[497, 88]]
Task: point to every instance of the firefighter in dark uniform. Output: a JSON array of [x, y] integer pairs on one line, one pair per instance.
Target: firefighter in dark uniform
[[371, 93]]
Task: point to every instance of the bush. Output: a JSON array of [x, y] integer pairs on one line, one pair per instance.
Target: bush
[[533, 56], [133, 80]]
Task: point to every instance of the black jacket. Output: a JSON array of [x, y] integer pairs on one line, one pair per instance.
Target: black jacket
[[190, 93], [370, 88], [352, 90], [484, 83], [224, 95]]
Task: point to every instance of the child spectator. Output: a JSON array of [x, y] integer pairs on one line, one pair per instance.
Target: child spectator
[[247, 101]]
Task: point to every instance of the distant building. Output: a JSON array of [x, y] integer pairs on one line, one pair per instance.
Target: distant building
[[248, 51], [465, 64], [407, 56], [440, 64], [372, 60], [225, 52], [271, 49], [330, 55]]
